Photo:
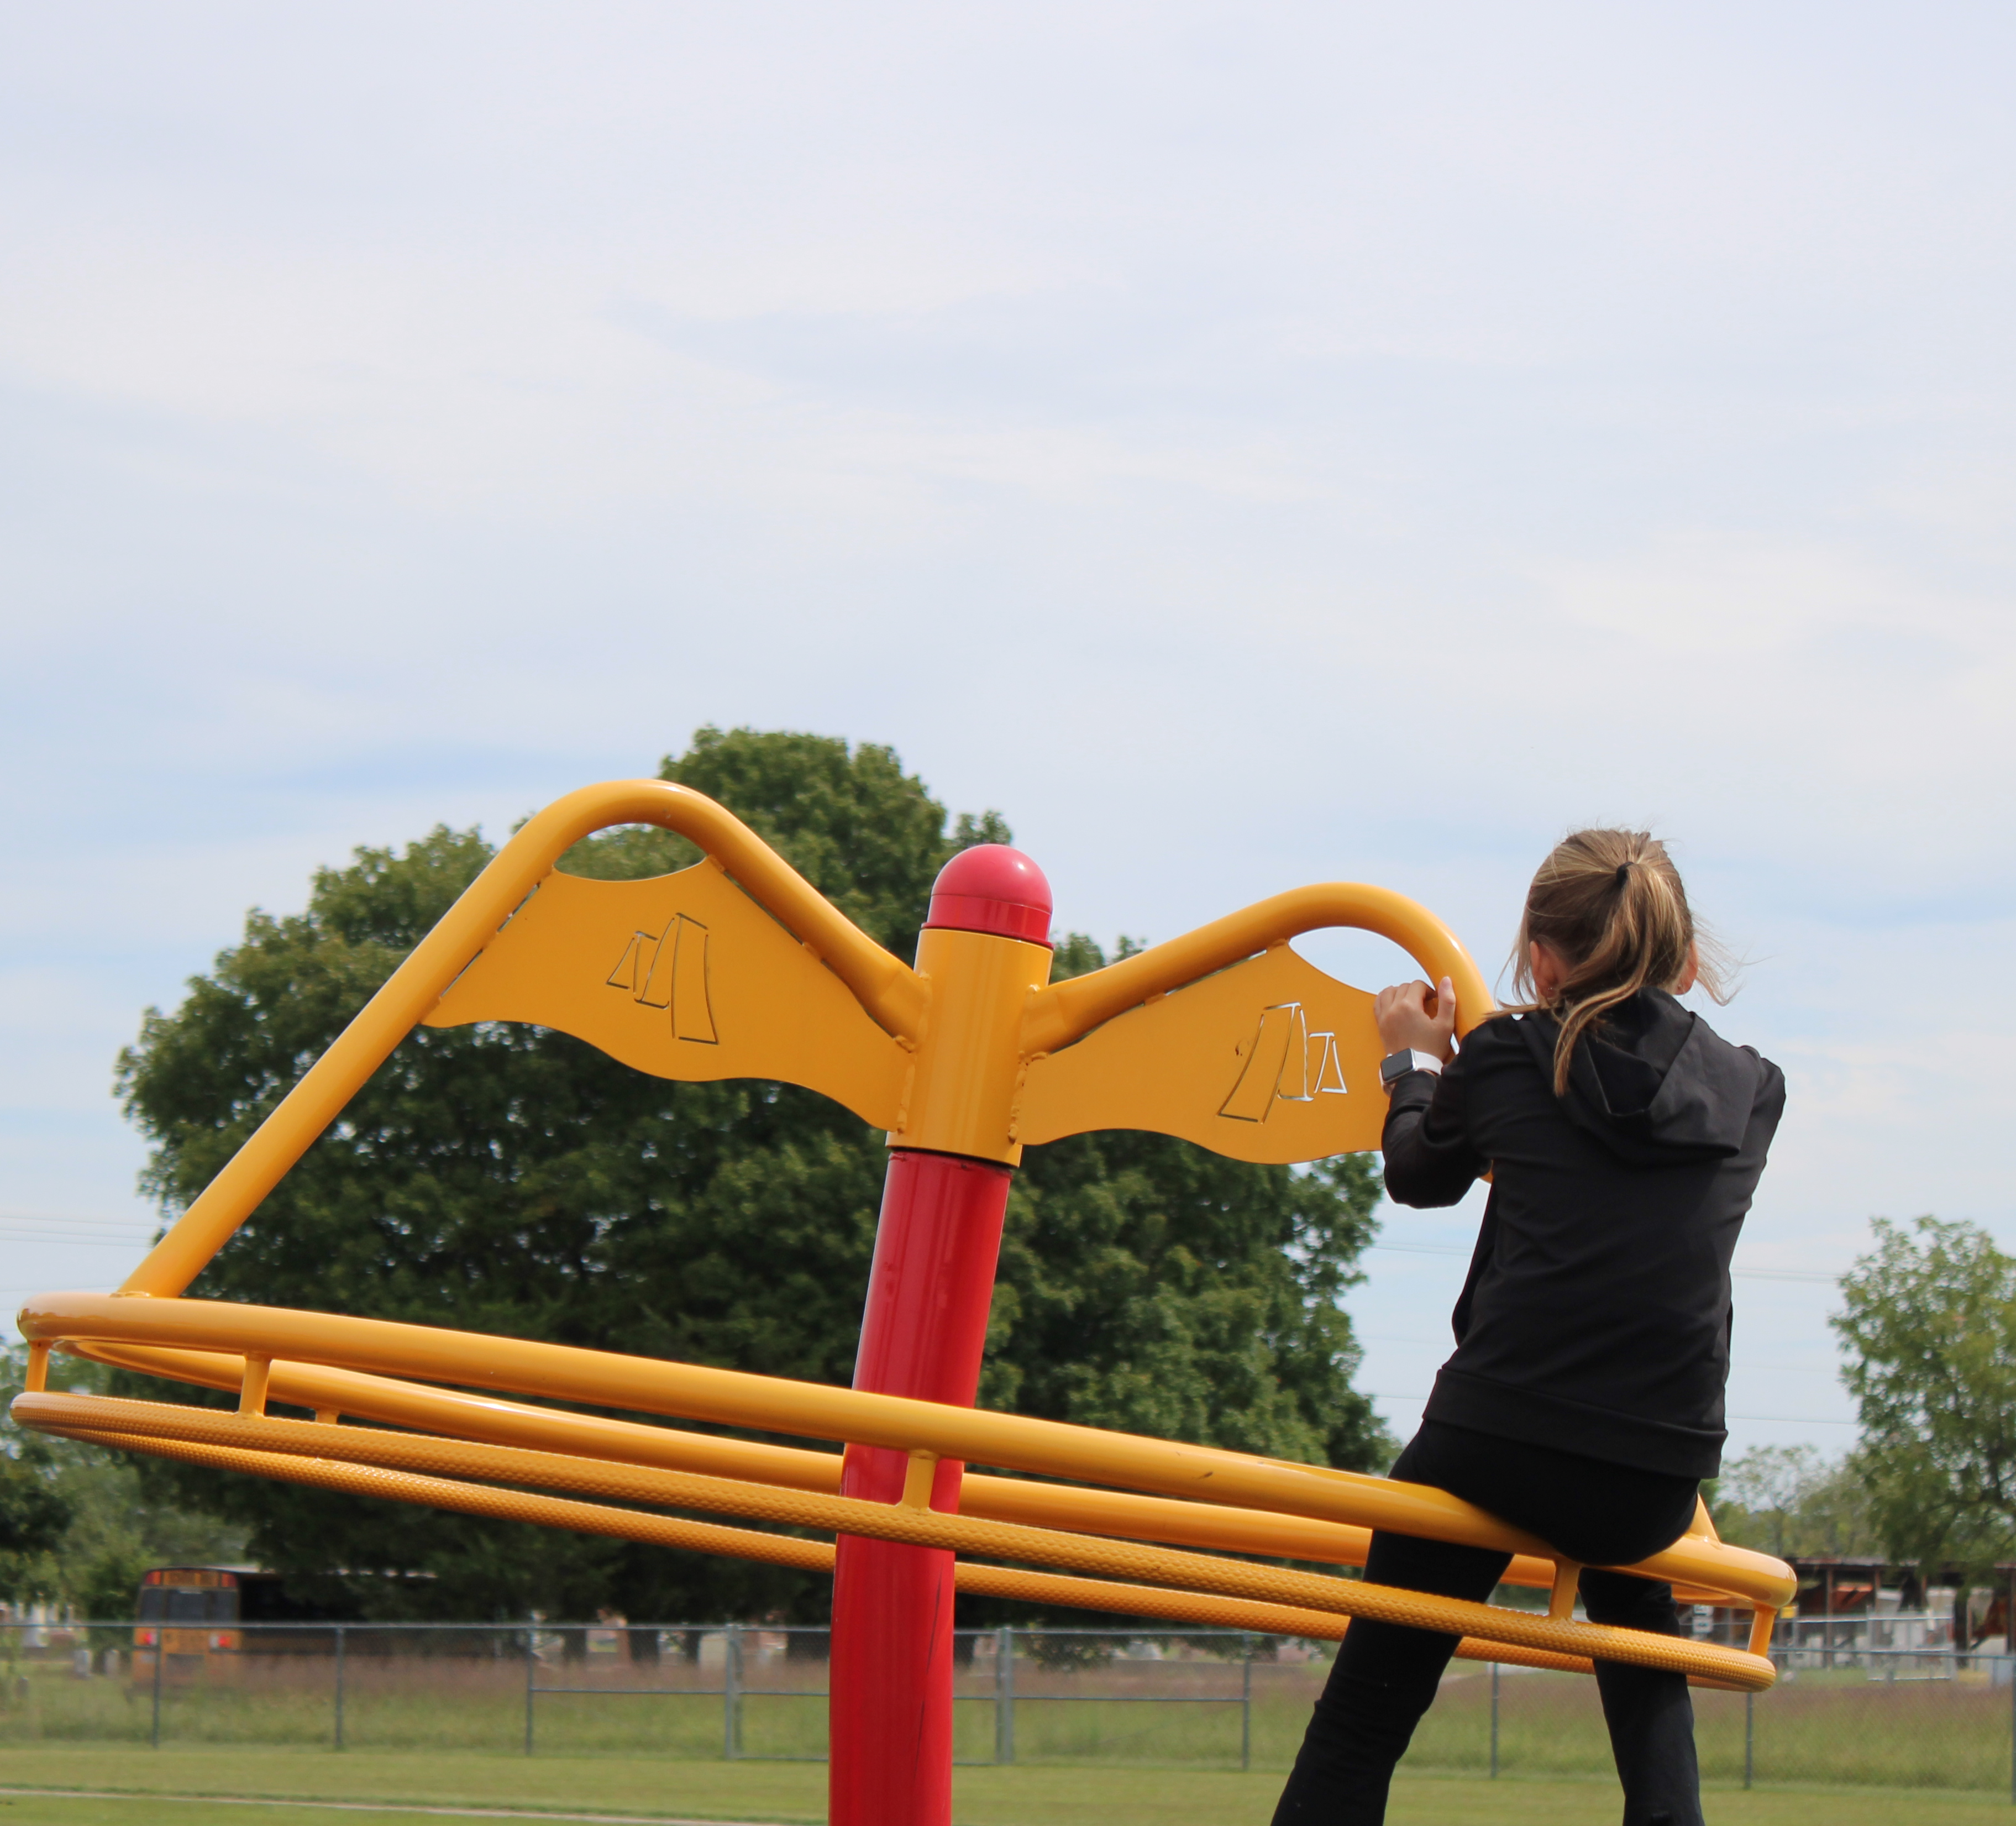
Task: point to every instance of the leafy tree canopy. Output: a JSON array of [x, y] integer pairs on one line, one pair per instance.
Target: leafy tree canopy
[[1794, 1502], [1928, 1324], [75, 1524], [33, 1516], [511, 1179]]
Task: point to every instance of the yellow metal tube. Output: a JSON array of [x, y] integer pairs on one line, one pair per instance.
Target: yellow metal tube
[[422, 1409], [1065, 1011], [252, 1391], [1118, 1513], [1122, 1514], [1221, 1613], [764, 1404], [962, 1089]]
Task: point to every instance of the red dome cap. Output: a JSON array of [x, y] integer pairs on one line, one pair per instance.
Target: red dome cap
[[992, 888]]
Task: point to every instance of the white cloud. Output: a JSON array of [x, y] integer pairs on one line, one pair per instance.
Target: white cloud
[[1246, 447]]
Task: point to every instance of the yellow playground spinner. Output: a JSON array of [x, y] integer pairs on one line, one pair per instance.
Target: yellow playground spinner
[[737, 967]]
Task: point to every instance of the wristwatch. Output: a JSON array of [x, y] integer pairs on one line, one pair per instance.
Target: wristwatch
[[1395, 1066]]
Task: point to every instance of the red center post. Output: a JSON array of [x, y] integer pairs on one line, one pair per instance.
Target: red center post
[[938, 1243]]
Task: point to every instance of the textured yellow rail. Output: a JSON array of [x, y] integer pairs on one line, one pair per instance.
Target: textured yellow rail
[[281, 1342], [782, 1550], [416, 1407], [304, 1450]]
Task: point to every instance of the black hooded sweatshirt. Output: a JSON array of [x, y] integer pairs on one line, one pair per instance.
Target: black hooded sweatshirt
[[1596, 1317]]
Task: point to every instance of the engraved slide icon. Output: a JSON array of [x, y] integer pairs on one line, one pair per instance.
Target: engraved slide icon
[[668, 970], [1283, 1062]]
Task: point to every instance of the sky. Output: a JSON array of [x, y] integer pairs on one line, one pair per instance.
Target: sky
[[1244, 444]]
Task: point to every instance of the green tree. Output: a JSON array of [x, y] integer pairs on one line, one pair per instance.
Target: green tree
[[1928, 1324], [511, 1179], [34, 1515], [1793, 1502], [78, 1525]]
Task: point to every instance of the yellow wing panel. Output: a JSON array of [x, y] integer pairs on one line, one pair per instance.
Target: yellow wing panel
[[682, 976], [1270, 1060]]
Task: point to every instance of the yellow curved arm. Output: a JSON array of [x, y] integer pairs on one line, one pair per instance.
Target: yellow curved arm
[[1067, 1010], [1228, 1038], [886, 986]]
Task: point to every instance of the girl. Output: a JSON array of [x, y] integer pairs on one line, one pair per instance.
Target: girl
[[1584, 1402]]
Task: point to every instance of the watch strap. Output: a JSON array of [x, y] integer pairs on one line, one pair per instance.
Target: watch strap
[[1395, 1066]]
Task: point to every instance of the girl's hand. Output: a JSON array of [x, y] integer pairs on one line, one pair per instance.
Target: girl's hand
[[1413, 1016]]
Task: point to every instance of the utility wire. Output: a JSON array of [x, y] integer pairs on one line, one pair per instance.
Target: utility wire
[[1814, 1276]]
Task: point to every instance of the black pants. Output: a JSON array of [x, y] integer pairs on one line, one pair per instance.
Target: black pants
[[1384, 1676]]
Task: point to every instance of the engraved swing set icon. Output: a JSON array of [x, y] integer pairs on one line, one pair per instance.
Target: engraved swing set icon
[[1283, 1063], [668, 970]]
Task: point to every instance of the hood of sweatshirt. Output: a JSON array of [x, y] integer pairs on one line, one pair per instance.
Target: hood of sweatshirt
[[1653, 1081]]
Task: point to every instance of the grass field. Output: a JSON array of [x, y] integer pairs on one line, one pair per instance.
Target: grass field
[[794, 1792], [1836, 1730]]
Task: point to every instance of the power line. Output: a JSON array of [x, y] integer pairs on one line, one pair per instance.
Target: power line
[[95, 1232], [47, 1219], [1815, 1276], [1793, 1419], [22, 1227], [1782, 1420]]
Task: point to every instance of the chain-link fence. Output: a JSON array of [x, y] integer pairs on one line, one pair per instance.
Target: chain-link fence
[[1842, 1713]]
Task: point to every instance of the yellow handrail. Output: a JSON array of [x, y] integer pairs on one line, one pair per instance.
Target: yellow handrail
[[785, 1549], [1067, 1010], [490, 1420], [812, 1409], [148, 1426]]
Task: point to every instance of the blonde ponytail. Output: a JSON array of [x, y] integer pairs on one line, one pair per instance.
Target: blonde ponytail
[[1609, 904]]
